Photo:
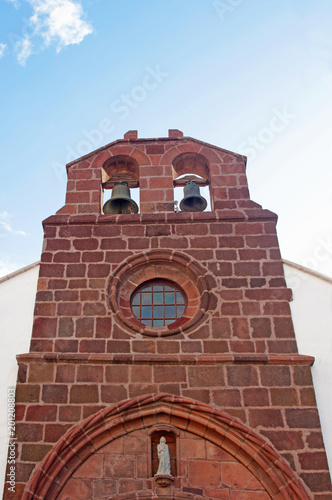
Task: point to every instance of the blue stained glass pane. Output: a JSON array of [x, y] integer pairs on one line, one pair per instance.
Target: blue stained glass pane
[[135, 301], [136, 311], [157, 298], [169, 298], [157, 312], [158, 304], [146, 298], [146, 312], [179, 311], [169, 312], [147, 322]]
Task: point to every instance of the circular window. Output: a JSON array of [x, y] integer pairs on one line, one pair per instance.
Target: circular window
[[160, 293], [158, 303]]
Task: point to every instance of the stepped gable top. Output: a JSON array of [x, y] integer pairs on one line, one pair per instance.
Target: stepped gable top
[[171, 138]]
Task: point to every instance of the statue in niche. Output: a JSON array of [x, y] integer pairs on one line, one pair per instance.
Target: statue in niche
[[164, 458]]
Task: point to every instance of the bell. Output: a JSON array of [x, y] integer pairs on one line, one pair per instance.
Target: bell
[[192, 200], [120, 202]]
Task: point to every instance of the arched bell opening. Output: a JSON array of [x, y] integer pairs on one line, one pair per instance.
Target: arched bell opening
[[120, 185], [191, 180]]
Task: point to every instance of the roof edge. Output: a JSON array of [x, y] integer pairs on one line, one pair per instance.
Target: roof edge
[[306, 270], [19, 271]]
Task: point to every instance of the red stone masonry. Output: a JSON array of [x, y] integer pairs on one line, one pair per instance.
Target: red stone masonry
[[234, 349]]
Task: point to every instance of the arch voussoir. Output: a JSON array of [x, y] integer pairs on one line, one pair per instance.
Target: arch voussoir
[[152, 410]]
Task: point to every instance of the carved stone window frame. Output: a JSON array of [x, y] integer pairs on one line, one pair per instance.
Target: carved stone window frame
[[160, 264]]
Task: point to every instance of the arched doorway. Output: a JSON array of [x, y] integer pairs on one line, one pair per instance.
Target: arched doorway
[[215, 453]]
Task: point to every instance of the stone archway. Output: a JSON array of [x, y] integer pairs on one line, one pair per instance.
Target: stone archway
[[107, 427]]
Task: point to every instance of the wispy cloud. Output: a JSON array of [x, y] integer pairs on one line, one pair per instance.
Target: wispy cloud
[[2, 49], [6, 228], [23, 50], [60, 22], [57, 23], [15, 3]]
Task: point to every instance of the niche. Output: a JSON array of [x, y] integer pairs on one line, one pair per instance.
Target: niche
[[170, 436]]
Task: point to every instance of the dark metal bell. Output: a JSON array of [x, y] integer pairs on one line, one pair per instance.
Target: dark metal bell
[[120, 202], [192, 200]]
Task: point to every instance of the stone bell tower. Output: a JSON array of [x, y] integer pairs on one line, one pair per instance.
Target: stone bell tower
[[163, 361]]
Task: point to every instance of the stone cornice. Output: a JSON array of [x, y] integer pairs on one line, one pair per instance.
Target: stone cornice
[[167, 359]]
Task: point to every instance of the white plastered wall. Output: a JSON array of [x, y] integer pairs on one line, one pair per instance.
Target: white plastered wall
[[17, 299], [312, 316]]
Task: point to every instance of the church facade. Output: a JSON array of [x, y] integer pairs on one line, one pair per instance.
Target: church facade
[[163, 360]]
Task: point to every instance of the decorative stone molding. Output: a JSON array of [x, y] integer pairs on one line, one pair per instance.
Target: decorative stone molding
[[163, 480], [149, 410], [174, 266], [166, 359]]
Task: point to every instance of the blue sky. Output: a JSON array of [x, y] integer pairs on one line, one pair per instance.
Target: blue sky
[[251, 76]]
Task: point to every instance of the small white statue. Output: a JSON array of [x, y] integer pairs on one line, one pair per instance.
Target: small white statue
[[164, 458]]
